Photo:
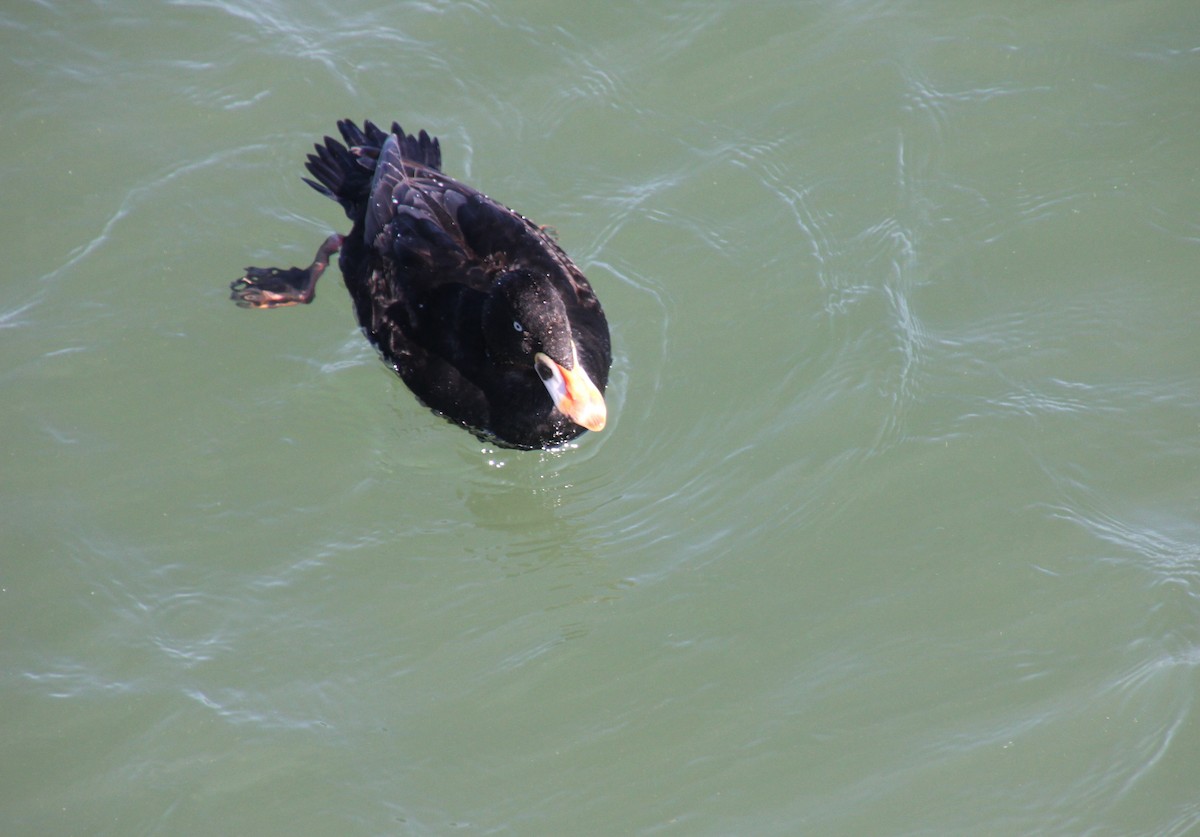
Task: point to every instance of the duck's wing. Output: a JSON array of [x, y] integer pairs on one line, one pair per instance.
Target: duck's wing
[[412, 212], [438, 234], [417, 216]]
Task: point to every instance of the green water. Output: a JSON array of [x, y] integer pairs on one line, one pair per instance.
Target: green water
[[895, 526]]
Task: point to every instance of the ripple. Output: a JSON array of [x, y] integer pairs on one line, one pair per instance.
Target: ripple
[[237, 707], [71, 679], [1173, 558]]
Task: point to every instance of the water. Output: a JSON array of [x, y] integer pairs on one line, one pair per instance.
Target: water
[[894, 526]]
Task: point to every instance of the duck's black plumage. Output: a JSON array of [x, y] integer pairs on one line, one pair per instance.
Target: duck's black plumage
[[479, 310]]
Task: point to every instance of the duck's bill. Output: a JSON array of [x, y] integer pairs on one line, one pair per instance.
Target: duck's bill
[[573, 392]]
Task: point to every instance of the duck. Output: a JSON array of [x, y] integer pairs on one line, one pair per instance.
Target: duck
[[479, 311]]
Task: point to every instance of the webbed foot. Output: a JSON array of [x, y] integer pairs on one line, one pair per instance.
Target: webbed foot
[[270, 287]]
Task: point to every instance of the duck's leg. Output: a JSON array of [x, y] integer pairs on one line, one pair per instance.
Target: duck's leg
[[270, 287]]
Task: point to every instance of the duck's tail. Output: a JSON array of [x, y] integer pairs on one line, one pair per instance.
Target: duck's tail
[[344, 172]]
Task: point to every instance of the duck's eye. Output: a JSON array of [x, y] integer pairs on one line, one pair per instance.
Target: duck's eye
[[517, 326]]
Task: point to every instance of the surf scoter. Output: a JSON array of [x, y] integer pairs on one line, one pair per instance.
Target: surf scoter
[[478, 309]]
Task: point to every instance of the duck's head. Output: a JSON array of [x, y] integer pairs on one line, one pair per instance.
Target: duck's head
[[525, 324]]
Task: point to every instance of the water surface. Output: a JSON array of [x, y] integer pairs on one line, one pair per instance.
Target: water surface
[[894, 526]]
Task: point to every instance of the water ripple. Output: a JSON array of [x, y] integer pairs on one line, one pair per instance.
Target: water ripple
[[1173, 558]]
